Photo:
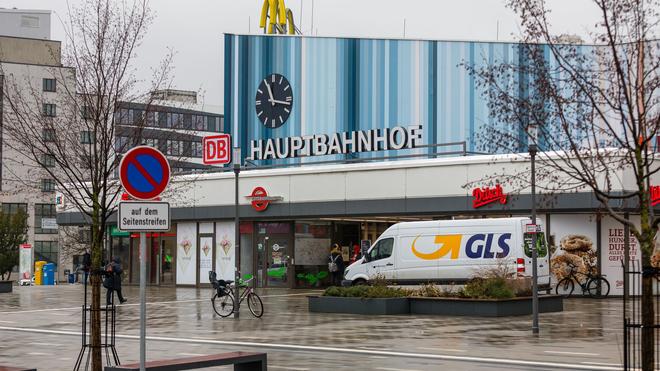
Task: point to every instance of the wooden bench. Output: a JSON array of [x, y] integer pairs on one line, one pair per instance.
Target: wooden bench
[[242, 361], [7, 368]]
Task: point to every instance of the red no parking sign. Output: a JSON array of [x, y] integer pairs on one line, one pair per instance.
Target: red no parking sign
[[144, 172]]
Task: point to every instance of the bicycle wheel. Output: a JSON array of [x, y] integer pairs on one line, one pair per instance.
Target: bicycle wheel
[[255, 305], [565, 287], [594, 284], [223, 305]]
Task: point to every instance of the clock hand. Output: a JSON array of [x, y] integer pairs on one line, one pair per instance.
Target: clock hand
[[270, 93], [280, 102]]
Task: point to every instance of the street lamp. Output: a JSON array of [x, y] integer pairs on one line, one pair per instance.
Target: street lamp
[[532, 132], [236, 155]]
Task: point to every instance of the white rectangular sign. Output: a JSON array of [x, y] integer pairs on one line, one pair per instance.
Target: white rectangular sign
[[48, 223], [143, 216]]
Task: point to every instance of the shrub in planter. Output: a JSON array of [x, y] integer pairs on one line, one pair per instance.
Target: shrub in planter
[[489, 288], [366, 292]]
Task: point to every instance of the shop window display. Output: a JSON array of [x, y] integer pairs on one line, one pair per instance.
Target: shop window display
[[312, 248]]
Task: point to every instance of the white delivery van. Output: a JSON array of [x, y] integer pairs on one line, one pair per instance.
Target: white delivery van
[[450, 251]]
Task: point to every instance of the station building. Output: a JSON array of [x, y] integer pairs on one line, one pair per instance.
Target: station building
[[340, 138]]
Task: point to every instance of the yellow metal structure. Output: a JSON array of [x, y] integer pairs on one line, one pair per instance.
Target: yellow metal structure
[[277, 18], [39, 272]]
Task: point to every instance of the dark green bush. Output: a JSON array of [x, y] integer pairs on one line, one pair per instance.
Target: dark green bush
[[489, 288], [366, 292]]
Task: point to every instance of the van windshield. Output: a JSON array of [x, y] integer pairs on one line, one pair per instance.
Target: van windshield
[[541, 248]]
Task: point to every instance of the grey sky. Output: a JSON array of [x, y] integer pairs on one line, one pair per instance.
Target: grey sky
[[194, 28]]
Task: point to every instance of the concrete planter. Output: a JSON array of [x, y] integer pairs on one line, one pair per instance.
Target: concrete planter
[[484, 307], [435, 306], [333, 304], [6, 286]]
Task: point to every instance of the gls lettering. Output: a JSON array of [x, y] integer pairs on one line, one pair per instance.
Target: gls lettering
[[480, 245]]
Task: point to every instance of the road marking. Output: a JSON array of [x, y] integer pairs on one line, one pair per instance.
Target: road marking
[[601, 364], [571, 353], [395, 369], [288, 368], [39, 354], [136, 304], [7, 322], [443, 349], [311, 348]]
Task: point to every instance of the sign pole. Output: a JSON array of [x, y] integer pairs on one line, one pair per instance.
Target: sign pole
[[143, 299], [237, 234]]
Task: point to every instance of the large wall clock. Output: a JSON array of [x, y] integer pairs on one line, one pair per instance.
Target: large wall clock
[[274, 100]]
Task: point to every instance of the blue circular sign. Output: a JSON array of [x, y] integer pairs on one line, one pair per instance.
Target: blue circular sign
[[144, 172]]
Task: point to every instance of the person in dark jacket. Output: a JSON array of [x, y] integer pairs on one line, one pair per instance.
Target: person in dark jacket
[[86, 265], [336, 265], [112, 281]]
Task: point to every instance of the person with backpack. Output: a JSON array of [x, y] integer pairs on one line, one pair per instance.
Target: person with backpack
[[112, 281], [336, 265]]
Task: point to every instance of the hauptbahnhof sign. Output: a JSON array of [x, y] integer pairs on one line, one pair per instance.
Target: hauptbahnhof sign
[[395, 138]]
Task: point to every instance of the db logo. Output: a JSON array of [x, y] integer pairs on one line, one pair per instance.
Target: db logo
[[217, 149]]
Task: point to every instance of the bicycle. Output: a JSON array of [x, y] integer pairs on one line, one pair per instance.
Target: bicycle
[[224, 297], [594, 284]]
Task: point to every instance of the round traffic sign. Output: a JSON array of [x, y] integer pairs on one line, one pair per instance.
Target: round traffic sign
[[144, 172]]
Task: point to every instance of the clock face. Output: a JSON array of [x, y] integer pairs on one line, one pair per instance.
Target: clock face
[[274, 100]]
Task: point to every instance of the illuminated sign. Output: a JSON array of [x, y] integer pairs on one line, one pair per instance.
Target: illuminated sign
[[655, 195], [386, 139], [486, 195]]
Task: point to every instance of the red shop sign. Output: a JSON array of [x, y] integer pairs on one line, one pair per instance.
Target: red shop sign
[[261, 199], [655, 195], [486, 195]]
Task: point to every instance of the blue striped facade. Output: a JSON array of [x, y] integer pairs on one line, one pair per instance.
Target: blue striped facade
[[344, 84]]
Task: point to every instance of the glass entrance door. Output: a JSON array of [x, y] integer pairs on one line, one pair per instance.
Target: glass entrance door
[[274, 251]]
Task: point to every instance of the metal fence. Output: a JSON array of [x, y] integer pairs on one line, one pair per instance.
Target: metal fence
[[635, 355]]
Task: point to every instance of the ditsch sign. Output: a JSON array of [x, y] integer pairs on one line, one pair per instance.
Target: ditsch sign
[[216, 149], [486, 195], [261, 199], [655, 195]]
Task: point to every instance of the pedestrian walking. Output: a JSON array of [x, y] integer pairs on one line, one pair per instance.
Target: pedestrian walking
[[336, 265], [86, 265], [112, 282]]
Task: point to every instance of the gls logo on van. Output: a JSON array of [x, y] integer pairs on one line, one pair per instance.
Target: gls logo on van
[[477, 246]]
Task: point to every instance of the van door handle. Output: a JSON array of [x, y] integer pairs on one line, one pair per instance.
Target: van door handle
[[389, 264]]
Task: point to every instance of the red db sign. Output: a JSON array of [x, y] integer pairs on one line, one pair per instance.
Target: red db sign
[[217, 149]]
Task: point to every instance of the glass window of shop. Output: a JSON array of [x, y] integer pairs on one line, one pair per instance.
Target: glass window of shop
[[312, 248], [121, 249], [161, 257]]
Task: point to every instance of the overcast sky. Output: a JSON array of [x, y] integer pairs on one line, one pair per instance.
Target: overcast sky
[[194, 28]]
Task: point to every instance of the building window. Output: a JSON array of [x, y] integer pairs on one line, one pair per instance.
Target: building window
[[11, 209], [47, 160], [45, 250], [47, 185], [48, 135], [49, 110], [136, 117], [86, 112], [50, 85], [196, 149], [152, 142], [121, 144], [86, 137], [41, 212], [210, 123], [174, 147]]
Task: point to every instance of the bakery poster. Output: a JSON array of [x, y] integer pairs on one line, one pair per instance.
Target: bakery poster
[[613, 250], [224, 250], [186, 253], [572, 243]]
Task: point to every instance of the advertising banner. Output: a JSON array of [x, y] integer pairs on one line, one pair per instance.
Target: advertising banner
[[25, 262], [205, 256], [613, 239], [186, 253], [224, 252], [572, 242]]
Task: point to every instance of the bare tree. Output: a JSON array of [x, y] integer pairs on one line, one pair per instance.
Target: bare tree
[[597, 112], [76, 145]]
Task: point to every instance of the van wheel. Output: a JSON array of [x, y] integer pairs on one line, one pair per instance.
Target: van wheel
[[359, 282]]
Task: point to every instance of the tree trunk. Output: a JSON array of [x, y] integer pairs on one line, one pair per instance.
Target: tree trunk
[[648, 317], [95, 323]]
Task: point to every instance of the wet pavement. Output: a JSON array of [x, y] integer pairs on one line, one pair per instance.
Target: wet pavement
[[40, 326]]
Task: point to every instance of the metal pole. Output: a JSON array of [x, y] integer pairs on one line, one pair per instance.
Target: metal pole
[[143, 299], [237, 238], [626, 260], [535, 291]]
